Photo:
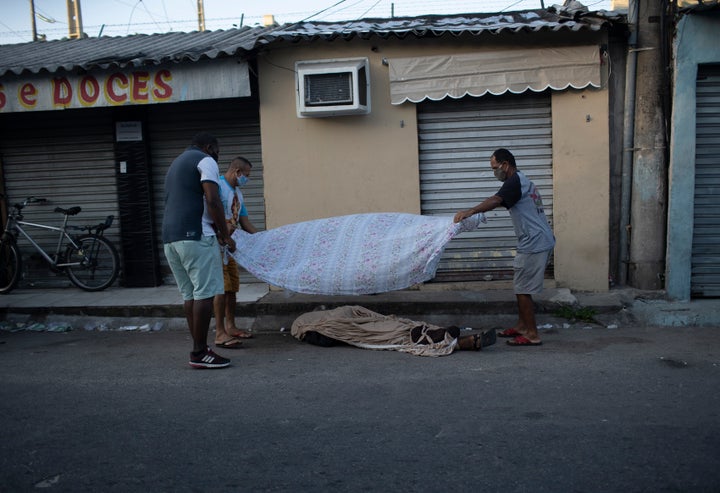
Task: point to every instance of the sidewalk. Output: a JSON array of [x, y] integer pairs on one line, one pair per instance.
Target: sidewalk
[[264, 309]]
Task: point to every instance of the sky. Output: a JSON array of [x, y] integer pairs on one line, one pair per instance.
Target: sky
[[126, 17]]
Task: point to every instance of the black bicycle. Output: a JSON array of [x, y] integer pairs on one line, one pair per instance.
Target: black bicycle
[[89, 260]]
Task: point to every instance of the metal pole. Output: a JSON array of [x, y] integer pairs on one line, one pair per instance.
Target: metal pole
[[75, 29], [201, 15], [32, 17]]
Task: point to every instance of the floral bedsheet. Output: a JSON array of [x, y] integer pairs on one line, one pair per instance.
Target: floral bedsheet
[[354, 254]]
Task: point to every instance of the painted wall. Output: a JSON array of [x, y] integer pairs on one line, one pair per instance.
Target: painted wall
[[581, 187], [696, 43], [315, 167], [324, 167]]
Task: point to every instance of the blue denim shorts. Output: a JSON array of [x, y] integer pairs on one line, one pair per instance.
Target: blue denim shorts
[[197, 267]]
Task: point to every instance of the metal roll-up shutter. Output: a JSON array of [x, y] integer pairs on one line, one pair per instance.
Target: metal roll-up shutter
[[236, 124], [705, 273], [66, 157], [457, 138]]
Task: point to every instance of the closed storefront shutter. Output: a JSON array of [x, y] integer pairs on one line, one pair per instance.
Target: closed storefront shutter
[[69, 157], [456, 139], [705, 274], [236, 124], [66, 157]]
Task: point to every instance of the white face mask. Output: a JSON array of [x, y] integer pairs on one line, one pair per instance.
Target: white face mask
[[242, 180], [500, 174]]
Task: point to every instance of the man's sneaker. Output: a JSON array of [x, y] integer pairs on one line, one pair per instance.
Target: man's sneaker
[[208, 359]]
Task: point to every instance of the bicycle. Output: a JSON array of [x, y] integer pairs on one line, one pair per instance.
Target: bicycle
[[90, 261]]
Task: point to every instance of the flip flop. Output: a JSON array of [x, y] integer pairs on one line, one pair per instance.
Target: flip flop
[[242, 335], [484, 339], [512, 332], [230, 344], [523, 341]]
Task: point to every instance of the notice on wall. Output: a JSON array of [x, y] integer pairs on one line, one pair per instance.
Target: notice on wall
[[128, 131]]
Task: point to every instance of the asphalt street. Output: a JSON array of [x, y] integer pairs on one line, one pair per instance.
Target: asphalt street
[[631, 409]]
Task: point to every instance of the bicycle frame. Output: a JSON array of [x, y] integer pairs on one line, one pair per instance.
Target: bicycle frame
[[17, 225], [90, 261]]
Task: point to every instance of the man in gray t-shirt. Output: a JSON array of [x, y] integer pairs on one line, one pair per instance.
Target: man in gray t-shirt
[[536, 241]]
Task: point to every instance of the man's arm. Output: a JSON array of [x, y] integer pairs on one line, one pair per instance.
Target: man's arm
[[488, 204], [217, 213], [246, 225]]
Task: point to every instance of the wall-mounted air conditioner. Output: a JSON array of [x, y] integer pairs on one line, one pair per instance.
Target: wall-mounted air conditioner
[[332, 87]]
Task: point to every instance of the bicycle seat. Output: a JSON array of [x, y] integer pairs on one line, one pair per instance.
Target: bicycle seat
[[70, 212]]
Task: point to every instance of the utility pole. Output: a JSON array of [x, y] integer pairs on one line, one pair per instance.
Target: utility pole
[[32, 17], [649, 176], [201, 15], [74, 19]]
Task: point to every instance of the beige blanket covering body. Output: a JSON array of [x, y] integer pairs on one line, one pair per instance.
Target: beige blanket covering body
[[363, 328]]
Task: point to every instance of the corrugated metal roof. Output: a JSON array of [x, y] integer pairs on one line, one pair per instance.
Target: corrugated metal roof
[[118, 52], [529, 20], [142, 49]]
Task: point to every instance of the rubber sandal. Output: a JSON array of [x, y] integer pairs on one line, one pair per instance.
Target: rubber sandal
[[230, 344], [512, 332], [523, 341], [242, 334], [484, 339]]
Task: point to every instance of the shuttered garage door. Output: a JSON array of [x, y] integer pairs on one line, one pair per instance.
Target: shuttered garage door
[[456, 139], [236, 124], [66, 157], [705, 275]]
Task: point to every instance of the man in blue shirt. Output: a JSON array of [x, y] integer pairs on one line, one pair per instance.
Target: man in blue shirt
[[227, 334]]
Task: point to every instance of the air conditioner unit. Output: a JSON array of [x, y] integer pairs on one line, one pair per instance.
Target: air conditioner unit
[[332, 87]]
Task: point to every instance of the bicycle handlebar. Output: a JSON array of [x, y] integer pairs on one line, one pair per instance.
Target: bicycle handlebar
[[29, 200]]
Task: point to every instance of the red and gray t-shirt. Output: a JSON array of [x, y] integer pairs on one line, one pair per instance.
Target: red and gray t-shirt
[[523, 201]]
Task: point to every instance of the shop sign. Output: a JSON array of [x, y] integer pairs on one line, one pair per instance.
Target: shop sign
[[209, 79]]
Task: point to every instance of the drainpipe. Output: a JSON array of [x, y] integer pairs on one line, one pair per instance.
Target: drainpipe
[[628, 133]]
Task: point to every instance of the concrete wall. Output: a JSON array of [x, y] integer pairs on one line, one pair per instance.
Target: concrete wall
[[324, 167], [581, 186], [696, 43], [315, 167]]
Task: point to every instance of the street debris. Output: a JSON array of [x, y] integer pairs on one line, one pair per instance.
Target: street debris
[[35, 327], [94, 325]]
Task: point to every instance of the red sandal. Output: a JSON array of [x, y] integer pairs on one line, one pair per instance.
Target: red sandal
[[523, 341], [512, 332]]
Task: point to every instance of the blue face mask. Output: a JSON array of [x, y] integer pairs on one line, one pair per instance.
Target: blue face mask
[[242, 180]]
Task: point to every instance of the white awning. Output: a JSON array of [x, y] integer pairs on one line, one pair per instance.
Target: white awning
[[497, 72]]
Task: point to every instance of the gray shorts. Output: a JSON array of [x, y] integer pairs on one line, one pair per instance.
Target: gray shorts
[[530, 272]]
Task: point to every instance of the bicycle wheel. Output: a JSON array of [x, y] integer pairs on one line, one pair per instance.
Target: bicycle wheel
[[10, 265], [99, 263]]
